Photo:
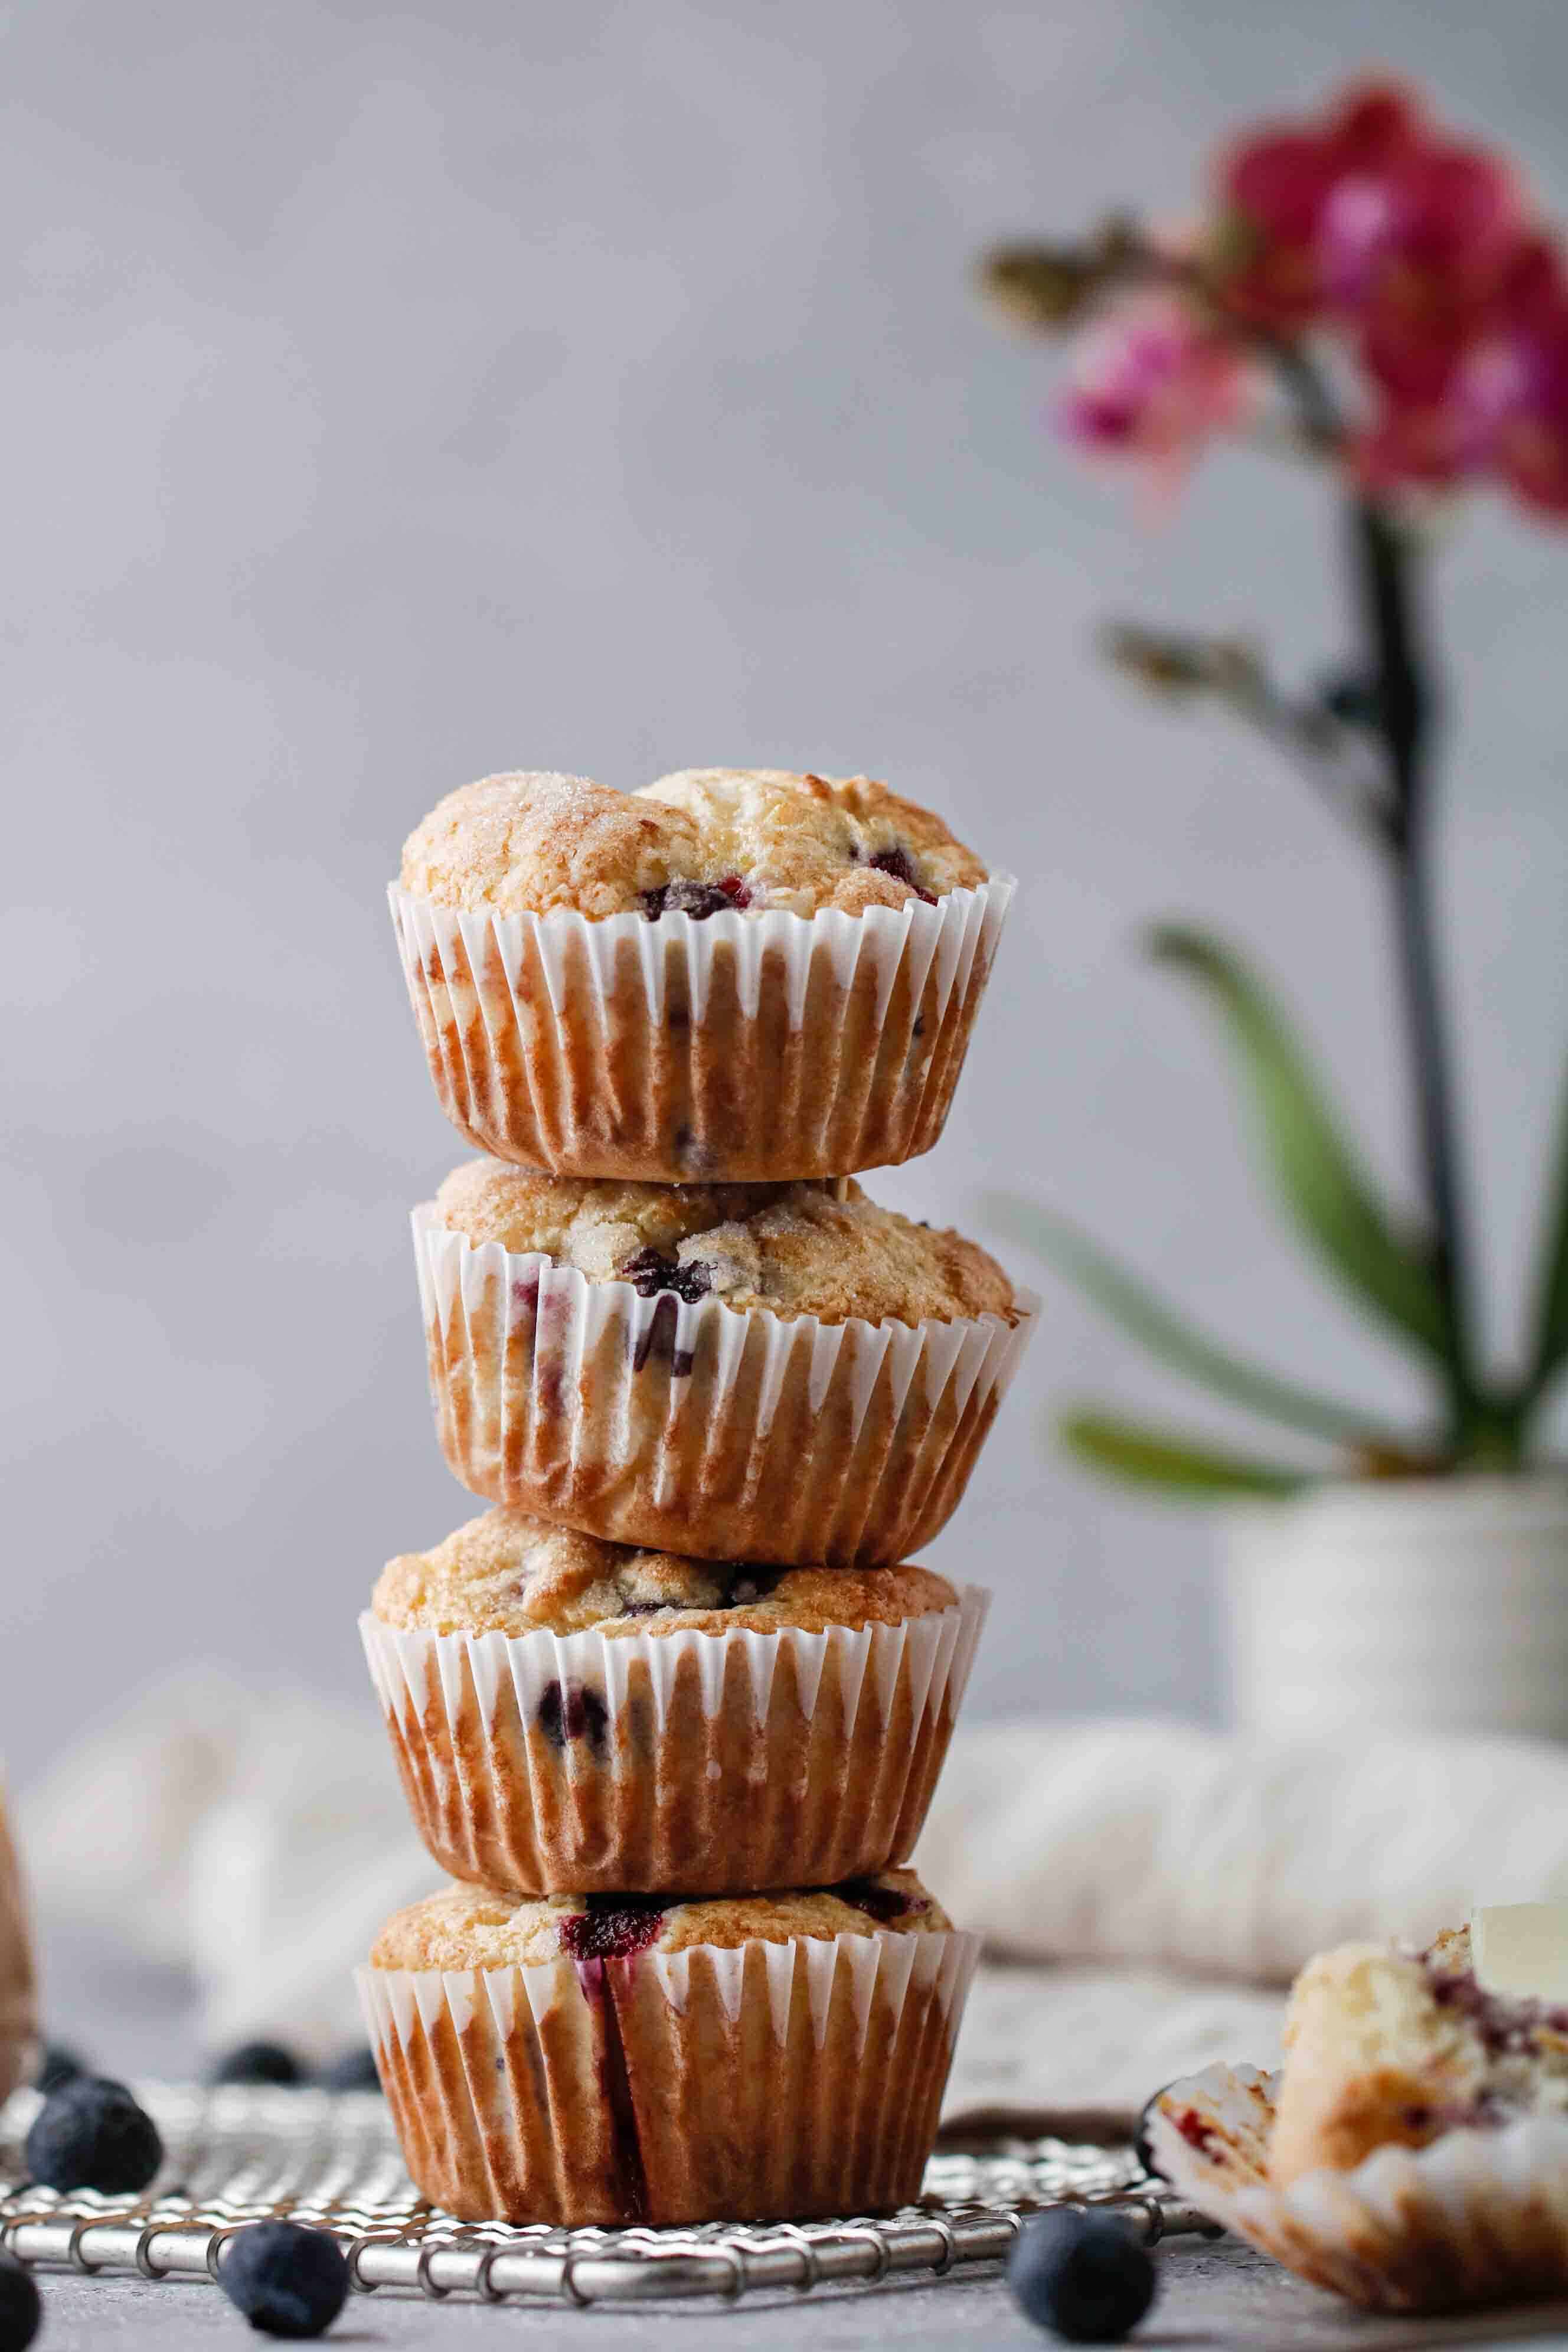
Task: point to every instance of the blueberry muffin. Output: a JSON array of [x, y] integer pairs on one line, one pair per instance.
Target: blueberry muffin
[[731, 974], [769, 1373], [709, 841], [1388, 2048], [753, 2057], [1412, 2153], [568, 1713]]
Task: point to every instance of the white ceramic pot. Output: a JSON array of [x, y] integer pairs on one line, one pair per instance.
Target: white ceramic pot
[[1424, 1604]]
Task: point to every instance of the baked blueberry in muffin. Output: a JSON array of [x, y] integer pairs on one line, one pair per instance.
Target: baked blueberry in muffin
[[732, 973], [1386, 2047], [633, 1718], [772, 1373], [793, 1249], [706, 841], [746, 2056], [475, 1927]]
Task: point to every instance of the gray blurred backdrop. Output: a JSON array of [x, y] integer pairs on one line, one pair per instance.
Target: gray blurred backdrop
[[395, 394]]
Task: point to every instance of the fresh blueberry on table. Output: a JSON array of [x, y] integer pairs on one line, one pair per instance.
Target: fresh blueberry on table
[[354, 2070], [92, 2135], [58, 2066], [20, 2309], [1141, 2148], [1083, 2275], [259, 2062], [286, 2279]]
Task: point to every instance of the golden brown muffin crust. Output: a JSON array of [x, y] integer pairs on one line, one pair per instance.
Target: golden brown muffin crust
[[804, 843], [470, 1927], [534, 840], [795, 1249], [507, 1574]]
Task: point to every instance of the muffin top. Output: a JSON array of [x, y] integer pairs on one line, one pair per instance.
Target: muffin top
[[795, 1249], [470, 1927], [705, 842], [505, 1573]]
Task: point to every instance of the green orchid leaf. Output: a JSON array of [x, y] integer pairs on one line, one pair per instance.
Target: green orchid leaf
[[1314, 1171], [1167, 1334], [1548, 1348], [1180, 1465]]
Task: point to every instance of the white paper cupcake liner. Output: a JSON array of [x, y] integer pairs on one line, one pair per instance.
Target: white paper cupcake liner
[[18, 1984], [702, 1429], [684, 1762], [746, 1046], [773, 2081], [1476, 2217]]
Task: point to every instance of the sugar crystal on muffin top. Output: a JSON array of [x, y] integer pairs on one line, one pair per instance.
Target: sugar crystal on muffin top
[[703, 842], [472, 1928], [795, 1249], [505, 1573]]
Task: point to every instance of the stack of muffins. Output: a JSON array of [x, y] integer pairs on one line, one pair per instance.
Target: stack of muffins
[[671, 1711]]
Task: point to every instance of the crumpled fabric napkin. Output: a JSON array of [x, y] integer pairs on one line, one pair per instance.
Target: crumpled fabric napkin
[[1223, 1855], [260, 1837]]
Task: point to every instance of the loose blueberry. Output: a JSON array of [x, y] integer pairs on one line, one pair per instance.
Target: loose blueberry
[[651, 1271], [897, 861], [354, 2070], [572, 1712], [613, 1928], [259, 2062], [881, 1902], [1084, 2275], [1141, 2148], [92, 2135], [58, 2066], [286, 2279], [20, 2310]]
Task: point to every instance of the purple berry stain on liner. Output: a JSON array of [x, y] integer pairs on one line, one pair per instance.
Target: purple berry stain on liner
[[654, 1275], [572, 1712], [614, 1928], [657, 1338]]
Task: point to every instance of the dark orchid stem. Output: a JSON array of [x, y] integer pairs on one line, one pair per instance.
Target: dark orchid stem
[[1405, 705], [1319, 416], [1404, 699]]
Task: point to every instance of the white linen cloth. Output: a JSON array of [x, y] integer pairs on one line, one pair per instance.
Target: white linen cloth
[[260, 1837]]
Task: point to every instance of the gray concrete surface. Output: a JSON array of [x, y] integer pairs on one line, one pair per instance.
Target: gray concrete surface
[[1216, 2298], [395, 393]]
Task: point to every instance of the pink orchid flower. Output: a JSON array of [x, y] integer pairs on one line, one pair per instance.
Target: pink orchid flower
[[1152, 383]]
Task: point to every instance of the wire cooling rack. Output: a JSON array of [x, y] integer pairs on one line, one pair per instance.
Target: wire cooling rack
[[237, 2156]]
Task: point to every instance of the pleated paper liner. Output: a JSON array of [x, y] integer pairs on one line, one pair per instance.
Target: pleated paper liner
[[745, 1047], [18, 1984], [683, 1762], [700, 1428], [774, 2081], [1475, 2218]]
